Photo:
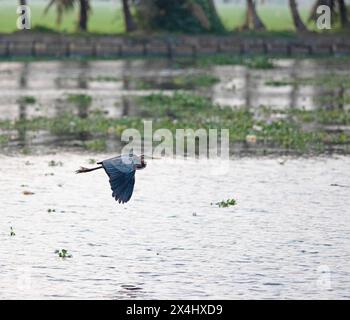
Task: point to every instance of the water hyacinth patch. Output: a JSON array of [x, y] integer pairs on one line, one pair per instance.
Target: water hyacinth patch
[[82, 100], [54, 163], [63, 253], [227, 203], [27, 100]]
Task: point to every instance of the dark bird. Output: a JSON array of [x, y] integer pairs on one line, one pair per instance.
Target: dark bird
[[121, 172]]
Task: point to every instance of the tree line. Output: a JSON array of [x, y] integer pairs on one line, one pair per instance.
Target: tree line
[[191, 16]]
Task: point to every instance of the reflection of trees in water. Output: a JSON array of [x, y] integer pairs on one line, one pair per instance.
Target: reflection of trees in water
[[294, 93], [335, 98], [83, 74], [341, 97], [210, 91], [248, 84], [324, 96], [332, 98], [126, 86], [83, 83], [23, 84], [81, 108]]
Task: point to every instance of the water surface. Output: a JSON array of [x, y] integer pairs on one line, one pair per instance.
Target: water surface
[[288, 237]]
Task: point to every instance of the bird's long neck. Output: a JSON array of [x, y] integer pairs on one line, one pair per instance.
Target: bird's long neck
[[85, 170]]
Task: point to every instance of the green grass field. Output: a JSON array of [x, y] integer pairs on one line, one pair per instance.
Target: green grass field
[[105, 18], [276, 18]]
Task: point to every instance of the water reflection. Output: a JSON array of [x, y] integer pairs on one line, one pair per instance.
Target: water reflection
[[113, 85], [22, 106]]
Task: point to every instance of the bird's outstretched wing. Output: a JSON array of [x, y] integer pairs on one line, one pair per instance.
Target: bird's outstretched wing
[[121, 172]]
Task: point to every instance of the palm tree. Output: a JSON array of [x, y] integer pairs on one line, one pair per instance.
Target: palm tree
[[343, 13], [298, 23], [63, 6], [252, 17], [313, 12], [130, 24], [336, 6], [84, 13]]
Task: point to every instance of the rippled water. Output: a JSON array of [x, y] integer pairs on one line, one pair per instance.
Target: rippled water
[[288, 237]]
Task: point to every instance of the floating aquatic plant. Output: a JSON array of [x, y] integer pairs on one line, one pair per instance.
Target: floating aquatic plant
[[227, 203], [54, 163], [28, 193], [63, 253], [82, 100], [27, 100]]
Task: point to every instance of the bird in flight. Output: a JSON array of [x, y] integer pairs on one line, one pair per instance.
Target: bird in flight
[[121, 172]]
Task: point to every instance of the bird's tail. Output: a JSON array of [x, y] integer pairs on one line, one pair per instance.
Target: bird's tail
[[85, 170]]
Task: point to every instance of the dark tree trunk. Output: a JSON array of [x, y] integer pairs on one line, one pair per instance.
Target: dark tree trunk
[[313, 12], [23, 2], [83, 16], [128, 19], [252, 16], [343, 12], [298, 23]]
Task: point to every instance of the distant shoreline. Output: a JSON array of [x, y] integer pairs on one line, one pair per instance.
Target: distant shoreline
[[44, 44]]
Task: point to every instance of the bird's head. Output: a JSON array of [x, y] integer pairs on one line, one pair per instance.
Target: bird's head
[[142, 164]]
